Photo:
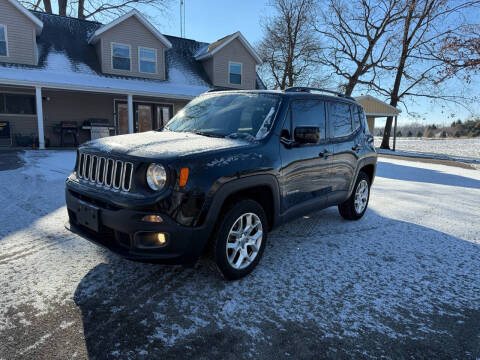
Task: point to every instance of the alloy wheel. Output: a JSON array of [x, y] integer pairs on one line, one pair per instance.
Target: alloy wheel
[[244, 240], [361, 196]]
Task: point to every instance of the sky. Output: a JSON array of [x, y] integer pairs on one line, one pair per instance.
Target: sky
[[209, 20]]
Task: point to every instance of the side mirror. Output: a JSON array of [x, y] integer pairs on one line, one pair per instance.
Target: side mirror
[[307, 135]]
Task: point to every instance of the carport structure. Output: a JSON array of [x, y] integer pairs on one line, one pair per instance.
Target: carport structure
[[375, 108]]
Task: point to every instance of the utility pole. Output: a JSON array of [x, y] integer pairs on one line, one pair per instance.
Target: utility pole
[[182, 18]]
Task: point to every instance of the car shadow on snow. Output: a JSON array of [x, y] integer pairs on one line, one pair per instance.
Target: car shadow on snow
[[324, 288], [411, 173]]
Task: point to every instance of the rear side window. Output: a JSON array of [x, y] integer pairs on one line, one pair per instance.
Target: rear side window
[[357, 115], [308, 113], [340, 118]]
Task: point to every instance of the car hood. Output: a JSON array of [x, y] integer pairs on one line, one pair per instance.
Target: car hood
[[164, 144]]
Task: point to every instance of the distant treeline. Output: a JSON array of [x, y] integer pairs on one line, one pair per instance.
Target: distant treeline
[[468, 128]]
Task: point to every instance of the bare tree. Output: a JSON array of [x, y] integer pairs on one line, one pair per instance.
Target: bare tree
[[102, 10], [62, 7], [289, 44], [416, 66], [357, 36], [461, 53]]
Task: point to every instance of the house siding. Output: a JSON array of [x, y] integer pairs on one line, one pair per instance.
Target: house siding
[[131, 32], [74, 106], [98, 49], [209, 65], [21, 124], [60, 105], [20, 35], [236, 52]]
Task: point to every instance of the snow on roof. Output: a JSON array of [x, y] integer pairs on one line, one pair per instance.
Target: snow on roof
[[66, 60], [124, 17], [60, 72]]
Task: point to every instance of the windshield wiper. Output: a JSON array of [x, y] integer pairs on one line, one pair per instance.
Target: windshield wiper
[[209, 134], [245, 136]]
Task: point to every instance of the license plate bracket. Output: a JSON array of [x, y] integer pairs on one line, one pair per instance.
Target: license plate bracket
[[88, 216]]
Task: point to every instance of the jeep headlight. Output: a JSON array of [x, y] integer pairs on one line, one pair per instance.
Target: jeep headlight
[[156, 176]]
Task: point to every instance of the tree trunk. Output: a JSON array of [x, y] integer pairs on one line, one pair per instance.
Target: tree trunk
[[62, 7], [393, 102], [398, 77], [81, 9], [48, 6], [351, 84]]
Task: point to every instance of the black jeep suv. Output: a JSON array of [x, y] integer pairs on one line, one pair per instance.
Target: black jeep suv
[[226, 170]]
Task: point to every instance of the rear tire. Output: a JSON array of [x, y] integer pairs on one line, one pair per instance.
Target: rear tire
[[239, 240], [355, 206]]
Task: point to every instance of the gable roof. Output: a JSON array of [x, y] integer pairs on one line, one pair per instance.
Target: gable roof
[[66, 60], [124, 17], [210, 50], [29, 15], [376, 107]]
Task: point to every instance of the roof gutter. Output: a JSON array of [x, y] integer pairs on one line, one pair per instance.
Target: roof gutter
[[95, 89]]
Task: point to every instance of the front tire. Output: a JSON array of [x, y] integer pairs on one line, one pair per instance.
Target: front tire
[[355, 206], [240, 239]]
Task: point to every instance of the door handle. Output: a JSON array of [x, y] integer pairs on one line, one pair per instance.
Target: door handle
[[356, 147], [324, 153]]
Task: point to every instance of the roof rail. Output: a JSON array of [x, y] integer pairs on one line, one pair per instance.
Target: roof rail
[[311, 89], [220, 89]]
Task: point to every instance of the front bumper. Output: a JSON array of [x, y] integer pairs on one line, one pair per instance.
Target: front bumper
[[118, 227]]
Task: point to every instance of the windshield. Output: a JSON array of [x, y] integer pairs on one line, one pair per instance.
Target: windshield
[[244, 115]]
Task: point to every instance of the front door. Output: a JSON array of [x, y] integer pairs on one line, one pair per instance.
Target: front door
[[122, 117], [305, 173], [147, 116], [143, 117]]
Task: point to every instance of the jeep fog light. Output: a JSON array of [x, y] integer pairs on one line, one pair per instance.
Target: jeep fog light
[[151, 240], [152, 218]]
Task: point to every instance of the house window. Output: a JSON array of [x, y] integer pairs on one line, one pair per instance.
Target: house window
[[17, 104], [121, 57], [147, 59], [235, 70], [3, 41]]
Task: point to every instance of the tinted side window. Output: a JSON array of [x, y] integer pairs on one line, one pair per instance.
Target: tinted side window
[[356, 117], [309, 113], [340, 119]]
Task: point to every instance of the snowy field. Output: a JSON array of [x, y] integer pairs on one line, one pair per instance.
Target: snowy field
[[403, 282], [469, 148]]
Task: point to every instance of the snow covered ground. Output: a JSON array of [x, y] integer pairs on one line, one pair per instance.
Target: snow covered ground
[[458, 147], [403, 282]]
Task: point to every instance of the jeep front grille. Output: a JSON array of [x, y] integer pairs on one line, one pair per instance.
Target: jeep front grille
[[111, 173]]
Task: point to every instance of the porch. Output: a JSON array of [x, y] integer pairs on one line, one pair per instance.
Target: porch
[[48, 117], [375, 108]]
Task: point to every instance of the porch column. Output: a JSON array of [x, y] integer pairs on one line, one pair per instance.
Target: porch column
[[41, 136], [395, 133], [130, 114]]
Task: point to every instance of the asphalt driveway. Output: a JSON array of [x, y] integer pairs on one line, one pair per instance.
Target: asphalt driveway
[[403, 282]]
